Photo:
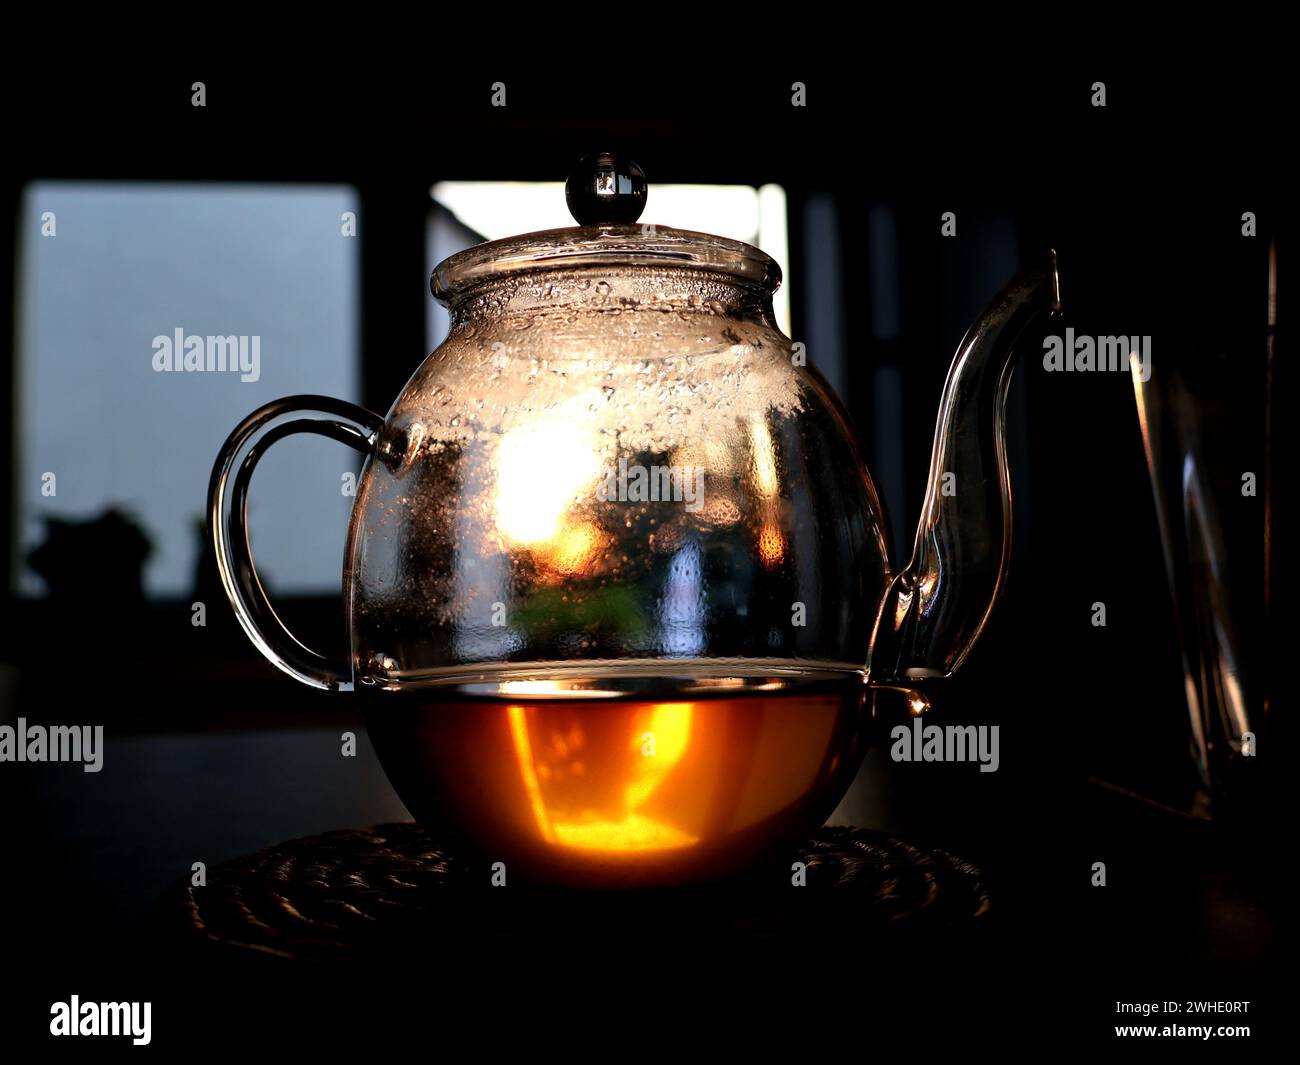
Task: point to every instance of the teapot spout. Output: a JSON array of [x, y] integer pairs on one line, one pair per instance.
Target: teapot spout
[[935, 609]]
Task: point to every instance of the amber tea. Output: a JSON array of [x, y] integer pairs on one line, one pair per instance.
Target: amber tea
[[608, 780]]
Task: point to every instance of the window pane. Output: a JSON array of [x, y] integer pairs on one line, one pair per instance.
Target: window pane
[[110, 274]]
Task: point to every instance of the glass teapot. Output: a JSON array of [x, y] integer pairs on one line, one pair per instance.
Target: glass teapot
[[617, 582]]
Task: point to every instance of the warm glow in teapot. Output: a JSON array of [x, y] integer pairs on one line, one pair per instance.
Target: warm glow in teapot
[[617, 582]]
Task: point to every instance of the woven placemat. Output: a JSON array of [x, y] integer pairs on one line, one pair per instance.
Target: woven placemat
[[388, 887]]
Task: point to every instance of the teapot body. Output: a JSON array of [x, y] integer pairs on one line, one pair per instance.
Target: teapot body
[[611, 577]]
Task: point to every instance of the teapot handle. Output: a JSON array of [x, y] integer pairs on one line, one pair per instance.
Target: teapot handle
[[228, 523]]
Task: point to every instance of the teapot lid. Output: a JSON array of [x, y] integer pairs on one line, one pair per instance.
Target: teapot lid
[[606, 194]]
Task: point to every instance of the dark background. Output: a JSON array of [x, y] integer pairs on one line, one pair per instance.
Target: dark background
[[1141, 199]]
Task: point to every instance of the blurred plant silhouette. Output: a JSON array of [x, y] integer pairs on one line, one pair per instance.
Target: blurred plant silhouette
[[93, 563]]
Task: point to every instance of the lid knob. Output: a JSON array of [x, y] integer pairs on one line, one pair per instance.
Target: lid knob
[[605, 189]]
